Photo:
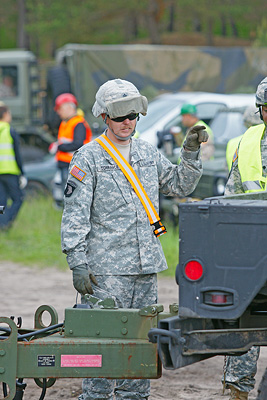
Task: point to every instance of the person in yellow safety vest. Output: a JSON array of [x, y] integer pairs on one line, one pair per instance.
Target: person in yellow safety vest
[[11, 170], [73, 132], [190, 119], [251, 117], [248, 174]]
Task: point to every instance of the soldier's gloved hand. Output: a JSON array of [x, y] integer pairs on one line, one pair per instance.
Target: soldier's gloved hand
[[195, 136], [82, 277]]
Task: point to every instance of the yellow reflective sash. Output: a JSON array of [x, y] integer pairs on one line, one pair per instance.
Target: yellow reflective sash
[[154, 219]]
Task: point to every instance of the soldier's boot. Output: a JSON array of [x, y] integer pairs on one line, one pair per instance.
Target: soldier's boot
[[237, 394]]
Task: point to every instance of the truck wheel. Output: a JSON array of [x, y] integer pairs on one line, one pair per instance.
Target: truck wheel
[[35, 189], [31, 154], [58, 82], [262, 390]]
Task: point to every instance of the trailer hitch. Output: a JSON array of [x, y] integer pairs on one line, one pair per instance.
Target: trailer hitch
[[97, 342]]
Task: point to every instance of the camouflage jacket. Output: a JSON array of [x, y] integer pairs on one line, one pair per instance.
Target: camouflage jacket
[[234, 183], [104, 223]]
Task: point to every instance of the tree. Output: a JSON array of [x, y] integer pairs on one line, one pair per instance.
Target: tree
[[45, 25], [22, 35], [261, 38]]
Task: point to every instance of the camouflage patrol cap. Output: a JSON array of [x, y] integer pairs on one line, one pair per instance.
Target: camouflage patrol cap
[[251, 116], [118, 98], [261, 93]]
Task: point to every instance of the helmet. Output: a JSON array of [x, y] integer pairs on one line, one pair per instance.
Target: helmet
[[65, 98], [251, 116], [261, 93], [118, 98], [188, 109]]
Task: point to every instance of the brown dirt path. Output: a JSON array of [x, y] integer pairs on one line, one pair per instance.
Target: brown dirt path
[[24, 289]]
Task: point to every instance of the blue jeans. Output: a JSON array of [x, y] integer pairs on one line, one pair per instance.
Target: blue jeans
[[9, 189]]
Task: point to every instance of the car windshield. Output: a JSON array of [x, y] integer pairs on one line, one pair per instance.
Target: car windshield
[[227, 125], [156, 110]]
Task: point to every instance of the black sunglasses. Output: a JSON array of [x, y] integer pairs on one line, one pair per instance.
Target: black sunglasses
[[131, 117]]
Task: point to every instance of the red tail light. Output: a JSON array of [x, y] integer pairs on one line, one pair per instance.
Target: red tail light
[[193, 270], [218, 298]]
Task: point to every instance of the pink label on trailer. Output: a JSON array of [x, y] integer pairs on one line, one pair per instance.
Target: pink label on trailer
[[81, 360]]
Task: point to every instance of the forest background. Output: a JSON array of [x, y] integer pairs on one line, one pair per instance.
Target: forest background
[[46, 25]]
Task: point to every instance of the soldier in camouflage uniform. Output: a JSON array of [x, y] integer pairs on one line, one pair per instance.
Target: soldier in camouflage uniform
[[248, 174], [106, 234]]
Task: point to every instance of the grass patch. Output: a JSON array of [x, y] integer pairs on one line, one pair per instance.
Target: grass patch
[[170, 245], [34, 239]]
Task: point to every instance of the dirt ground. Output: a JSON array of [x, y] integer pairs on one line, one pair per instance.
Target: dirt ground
[[24, 289]]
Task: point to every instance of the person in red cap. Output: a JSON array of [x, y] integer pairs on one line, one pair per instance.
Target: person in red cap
[[73, 133]]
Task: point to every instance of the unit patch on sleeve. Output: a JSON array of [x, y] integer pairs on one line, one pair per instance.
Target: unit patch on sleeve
[[77, 173], [69, 188]]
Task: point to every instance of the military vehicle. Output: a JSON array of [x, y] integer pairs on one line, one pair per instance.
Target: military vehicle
[[19, 87], [222, 275], [222, 279], [29, 89], [20, 91], [81, 69]]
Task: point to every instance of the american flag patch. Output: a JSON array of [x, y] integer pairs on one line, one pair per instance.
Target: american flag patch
[[77, 173]]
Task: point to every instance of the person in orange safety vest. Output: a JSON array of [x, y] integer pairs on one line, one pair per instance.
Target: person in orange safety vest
[[73, 132]]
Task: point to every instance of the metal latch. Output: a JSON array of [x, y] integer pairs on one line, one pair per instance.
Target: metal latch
[[152, 310]]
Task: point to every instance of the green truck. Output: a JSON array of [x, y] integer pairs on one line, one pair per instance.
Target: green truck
[[29, 86], [20, 90]]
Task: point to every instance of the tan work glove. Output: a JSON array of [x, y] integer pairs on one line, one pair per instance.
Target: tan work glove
[[82, 277], [195, 136]]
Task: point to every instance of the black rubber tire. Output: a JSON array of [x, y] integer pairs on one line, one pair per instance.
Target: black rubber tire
[[262, 390], [58, 82], [35, 189], [31, 154]]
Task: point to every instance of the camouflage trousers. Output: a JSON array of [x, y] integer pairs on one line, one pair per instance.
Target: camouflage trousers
[[241, 370], [131, 291]]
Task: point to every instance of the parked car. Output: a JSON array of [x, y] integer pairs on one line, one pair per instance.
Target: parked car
[[40, 175], [34, 145], [164, 112], [226, 125]]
